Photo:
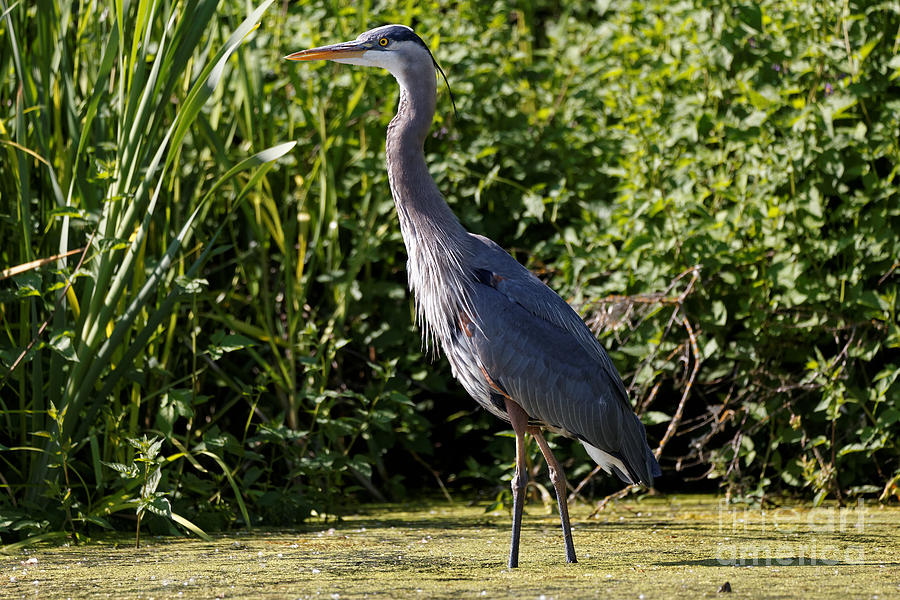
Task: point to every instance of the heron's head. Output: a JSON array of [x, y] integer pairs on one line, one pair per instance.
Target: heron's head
[[396, 48], [392, 47]]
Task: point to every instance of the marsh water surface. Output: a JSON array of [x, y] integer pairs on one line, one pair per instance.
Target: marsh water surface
[[674, 547]]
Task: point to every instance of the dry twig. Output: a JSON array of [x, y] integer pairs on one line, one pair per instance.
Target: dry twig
[[615, 310]]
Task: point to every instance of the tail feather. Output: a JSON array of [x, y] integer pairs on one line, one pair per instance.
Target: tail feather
[[633, 462], [608, 462]]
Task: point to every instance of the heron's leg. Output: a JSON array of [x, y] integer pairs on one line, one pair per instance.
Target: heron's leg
[[518, 418], [558, 478]]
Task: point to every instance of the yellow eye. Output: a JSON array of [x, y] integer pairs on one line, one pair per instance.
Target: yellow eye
[[383, 42]]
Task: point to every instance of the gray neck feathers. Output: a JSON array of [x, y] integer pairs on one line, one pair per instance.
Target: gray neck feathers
[[437, 245]]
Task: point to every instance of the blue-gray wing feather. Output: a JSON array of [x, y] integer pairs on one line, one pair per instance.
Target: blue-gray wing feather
[[522, 287], [538, 350]]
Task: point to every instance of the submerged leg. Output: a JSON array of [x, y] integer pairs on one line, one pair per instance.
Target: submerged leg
[[558, 478], [519, 420]]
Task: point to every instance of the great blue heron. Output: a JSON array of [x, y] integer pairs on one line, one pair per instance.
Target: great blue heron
[[518, 348]]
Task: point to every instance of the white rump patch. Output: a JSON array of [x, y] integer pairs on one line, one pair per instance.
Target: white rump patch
[[606, 461]]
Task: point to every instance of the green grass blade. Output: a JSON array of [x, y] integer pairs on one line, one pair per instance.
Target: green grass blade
[[260, 158], [190, 527], [212, 73], [16, 547], [85, 385], [234, 485]]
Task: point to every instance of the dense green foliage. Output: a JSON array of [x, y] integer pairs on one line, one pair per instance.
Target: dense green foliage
[[715, 186]]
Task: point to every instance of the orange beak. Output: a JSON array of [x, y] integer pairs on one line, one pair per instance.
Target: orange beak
[[335, 51]]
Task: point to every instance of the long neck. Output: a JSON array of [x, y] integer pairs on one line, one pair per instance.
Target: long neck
[[437, 245], [420, 206]]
